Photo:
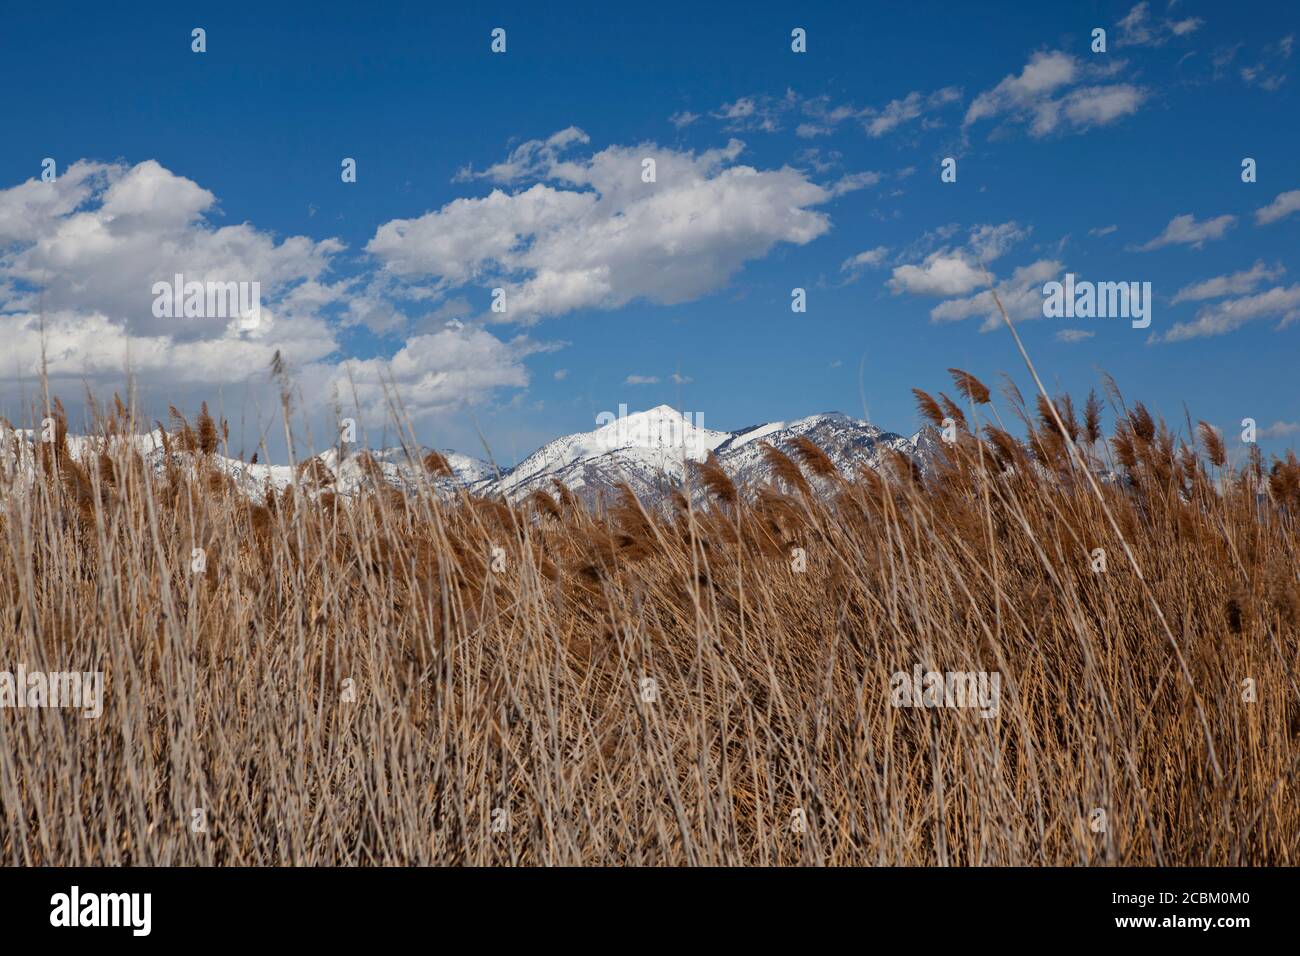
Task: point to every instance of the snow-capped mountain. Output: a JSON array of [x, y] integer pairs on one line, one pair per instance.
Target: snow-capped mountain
[[649, 451], [850, 443], [393, 466], [400, 469]]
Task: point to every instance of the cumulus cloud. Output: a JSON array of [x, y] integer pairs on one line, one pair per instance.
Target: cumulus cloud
[[453, 368], [1045, 96], [594, 235], [131, 227], [956, 271], [1280, 302], [1021, 295], [32, 209], [1281, 207], [80, 259], [1186, 230], [1238, 283], [458, 241], [89, 249], [941, 274]]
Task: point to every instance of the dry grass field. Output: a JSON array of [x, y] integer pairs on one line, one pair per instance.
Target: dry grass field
[[369, 681]]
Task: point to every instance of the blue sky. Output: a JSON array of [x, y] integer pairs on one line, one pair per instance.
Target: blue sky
[[775, 170]]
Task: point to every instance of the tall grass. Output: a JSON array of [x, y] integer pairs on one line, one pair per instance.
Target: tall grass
[[410, 679]]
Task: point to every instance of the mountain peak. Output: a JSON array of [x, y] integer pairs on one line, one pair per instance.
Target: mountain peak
[[660, 427], [663, 411]]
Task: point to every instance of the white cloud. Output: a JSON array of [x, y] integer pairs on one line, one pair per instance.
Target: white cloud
[[437, 373], [456, 243], [1281, 207], [1186, 230], [641, 380], [529, 160], [1074, 336], [32, 209], [853, 182], [1280, 430], [991, 242], [1279, 302], [870, 259], [896, 113], [1099, 105], [134, 226], [740, 109], [1041, 76], [762, 113], [1138, 28], [939, 275], [88, 249], [561, 374], [92, 346], [949, 271], [601, 237], [681, 379], [1021, 295], [821, 117], [1040, 96], [1238, 283], [1103, 230], [683, 118], [766, 114]]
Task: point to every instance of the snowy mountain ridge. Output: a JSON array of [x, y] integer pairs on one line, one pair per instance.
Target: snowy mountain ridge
[[649, 451]]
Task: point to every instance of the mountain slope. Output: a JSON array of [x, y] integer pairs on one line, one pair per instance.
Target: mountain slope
[[850, 443]]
